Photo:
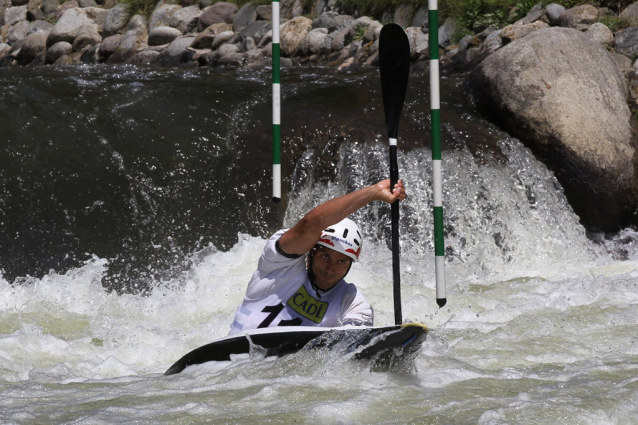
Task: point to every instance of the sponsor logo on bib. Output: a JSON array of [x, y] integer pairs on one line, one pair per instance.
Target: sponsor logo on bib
[[307, 306]]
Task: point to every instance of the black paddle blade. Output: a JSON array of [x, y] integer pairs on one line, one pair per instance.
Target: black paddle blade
[[394, 66]]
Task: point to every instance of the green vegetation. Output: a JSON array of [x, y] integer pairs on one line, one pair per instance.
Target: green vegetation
[[141, 7]]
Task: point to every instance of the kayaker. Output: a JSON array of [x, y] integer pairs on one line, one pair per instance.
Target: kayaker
[[299, 278]]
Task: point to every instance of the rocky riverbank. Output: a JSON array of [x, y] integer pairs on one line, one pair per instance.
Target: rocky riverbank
[[558, 79]]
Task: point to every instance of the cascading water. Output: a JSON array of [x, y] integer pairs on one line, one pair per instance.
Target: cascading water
[[134, 205]]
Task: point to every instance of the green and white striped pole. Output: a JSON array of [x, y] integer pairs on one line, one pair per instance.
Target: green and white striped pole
[[276, 105], [435, 114]]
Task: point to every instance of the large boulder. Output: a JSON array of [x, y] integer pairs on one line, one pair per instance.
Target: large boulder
[[15, 14], [116, 19], [185, 19], [131, 42], [563, 96], [292, 33], [244, 17], [70, 25], [71, 4], [579, 17], [18, 32], [626, 41], [108, 46], [630, 14], [162, 15], [35, 44], [58, 50], [163, 35], [219, 12]]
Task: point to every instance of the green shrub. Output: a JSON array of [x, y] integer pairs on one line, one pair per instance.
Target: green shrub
[[141, 7]]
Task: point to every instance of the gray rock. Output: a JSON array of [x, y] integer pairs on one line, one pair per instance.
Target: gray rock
[[163, 35], [4, 50], [264, 12], [144, 58], [248, 44], [626, 41], [116, 19], [203, 40], [186, 19], [162, 15], [492, 43], [420, 18], [221, 27], [64, 60], [109, 45], [90, 56], [553, 11], [58, 49], [257, 30], [219, 12], [579, 17], [71, 4], [33, 10], [88, 36], [137, 22], [34, 45], [316, 39], [403, 14], [49, 7], [622, 62], [600, 33], [87, 3], [342, 38], [320, 8], [39, 26], [630, 14], [297, 9], [222, 38], [15, 14], [418, 41], [131, 42], [234, 59], [70, 25], [570, 109], [244, 17], [177, 52], [98, 15], [18, 33], [285, 8], [516, 31], [536, 13], [228, 49], [332, 21], [446, 32], [265, 40]]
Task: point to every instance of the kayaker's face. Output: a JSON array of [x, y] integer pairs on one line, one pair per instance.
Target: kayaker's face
[[329, 267]]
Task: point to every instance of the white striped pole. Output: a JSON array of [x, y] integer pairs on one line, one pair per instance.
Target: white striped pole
[[276, 105], [435, 114]]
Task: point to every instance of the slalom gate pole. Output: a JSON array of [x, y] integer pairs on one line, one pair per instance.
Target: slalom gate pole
[[276, 105], [435, 114]]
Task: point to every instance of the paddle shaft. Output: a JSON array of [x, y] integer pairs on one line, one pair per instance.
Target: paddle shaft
[[396, 251], [394, 66]]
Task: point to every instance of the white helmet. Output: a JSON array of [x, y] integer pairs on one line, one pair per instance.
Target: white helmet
[[344, 237]]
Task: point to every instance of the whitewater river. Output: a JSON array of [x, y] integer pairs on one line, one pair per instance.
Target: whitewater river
[[134, 205]]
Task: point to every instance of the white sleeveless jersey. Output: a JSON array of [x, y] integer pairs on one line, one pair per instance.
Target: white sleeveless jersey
[[280, 294]]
